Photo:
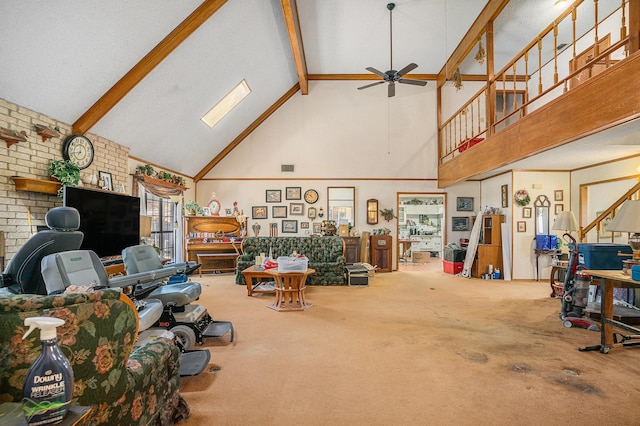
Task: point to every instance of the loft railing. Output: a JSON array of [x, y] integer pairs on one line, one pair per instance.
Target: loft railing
[[526, 84]]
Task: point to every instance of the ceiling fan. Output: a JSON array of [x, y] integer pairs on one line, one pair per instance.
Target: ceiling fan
[[392, 76]]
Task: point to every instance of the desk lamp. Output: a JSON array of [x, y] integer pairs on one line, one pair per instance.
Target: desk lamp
[[628, 220]]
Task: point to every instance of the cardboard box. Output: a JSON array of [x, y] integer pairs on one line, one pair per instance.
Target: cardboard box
[[420, 256]]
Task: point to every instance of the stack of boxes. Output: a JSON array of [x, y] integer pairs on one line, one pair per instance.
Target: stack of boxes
[[453, 262]]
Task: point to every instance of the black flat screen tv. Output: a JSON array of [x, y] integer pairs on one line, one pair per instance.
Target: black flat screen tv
[[110, 221]]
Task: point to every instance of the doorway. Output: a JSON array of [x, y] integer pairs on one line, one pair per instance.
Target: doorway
[[421, 230]]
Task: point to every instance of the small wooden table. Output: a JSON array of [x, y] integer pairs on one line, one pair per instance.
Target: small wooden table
[[290, 288], [258, 272], [557, 287], [609, 280]]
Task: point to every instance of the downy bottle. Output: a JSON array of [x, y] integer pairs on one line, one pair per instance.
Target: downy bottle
[[48, 387]]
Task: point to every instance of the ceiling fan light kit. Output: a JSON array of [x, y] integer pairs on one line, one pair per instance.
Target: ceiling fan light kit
[[392, 76]]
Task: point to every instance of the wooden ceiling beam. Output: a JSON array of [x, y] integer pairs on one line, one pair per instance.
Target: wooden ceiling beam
[[489, 13], [136, 74], [246, 132], [291, 19]]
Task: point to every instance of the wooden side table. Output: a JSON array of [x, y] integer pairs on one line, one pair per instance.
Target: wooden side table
[[259, 273], [290, 288], [557, 287]]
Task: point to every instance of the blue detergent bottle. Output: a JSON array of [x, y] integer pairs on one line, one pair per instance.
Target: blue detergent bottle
[[48, 387]]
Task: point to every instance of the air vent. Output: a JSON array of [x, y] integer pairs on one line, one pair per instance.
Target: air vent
[[286, 168]]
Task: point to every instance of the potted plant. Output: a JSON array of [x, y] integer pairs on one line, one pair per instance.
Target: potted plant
[[387, 214], [192, 208], [145, 170], [64, 171]]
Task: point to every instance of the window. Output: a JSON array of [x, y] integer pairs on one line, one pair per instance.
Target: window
[[161, 211]]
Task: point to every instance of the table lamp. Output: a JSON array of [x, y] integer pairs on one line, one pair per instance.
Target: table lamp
[[565, 221], [628, 220]]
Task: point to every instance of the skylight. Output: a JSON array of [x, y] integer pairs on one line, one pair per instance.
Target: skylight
[[226, 104]]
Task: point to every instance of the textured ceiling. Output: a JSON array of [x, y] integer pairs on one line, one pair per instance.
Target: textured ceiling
[[62, 56]]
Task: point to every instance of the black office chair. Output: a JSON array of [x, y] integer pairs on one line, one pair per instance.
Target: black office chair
[[22, 274]]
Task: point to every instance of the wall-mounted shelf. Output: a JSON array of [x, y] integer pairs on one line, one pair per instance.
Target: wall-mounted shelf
[[46, 132], [159, 182], [11, 136], [36, 185]]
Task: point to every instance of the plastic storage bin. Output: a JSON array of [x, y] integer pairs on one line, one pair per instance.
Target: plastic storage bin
[[452, 267], [546, 242], [292, 264], [602, 255]]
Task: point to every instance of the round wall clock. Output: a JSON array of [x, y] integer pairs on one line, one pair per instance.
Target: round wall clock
[[79, 150], [311, 196]]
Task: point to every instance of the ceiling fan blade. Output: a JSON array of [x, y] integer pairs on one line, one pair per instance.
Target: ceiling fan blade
[[392, 90], [406, 69], [411, 81], [376, 72], [370, 85]]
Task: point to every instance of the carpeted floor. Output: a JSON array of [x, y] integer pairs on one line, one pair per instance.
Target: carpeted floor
[[413, 348]]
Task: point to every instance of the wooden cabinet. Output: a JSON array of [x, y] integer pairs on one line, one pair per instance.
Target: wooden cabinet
[[382, 252], [208, 240], [489, 246], [352, 249]]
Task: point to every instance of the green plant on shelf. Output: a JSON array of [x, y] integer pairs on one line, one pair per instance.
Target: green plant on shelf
[[64, 171]]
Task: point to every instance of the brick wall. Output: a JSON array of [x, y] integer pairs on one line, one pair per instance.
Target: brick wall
[[31, 159]]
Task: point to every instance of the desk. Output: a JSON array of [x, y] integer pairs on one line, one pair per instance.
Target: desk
[[540, 252], [259, 273], [609, 280], [290, 290]]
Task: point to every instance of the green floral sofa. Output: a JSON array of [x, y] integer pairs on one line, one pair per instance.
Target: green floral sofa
[[326, 256], [124, 385]]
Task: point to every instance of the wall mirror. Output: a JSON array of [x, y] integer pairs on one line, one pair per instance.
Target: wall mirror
[[542, 205], [341, 204]]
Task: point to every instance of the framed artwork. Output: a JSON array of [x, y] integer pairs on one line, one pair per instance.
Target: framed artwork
[[293, 193], [311, 213], [460, 223], [522, 226], [558, 195], [602, 230], [289, 226], [504, 189], [558, 208], [464, 204], [526, 212], [227, 212], [274, 195], [304, 225], [259, 212], [278, 211], [107, 181], [296, 209], [317, 227], [206, 211]]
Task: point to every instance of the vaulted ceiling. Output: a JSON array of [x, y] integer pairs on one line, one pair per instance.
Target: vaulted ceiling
[[143, 73]]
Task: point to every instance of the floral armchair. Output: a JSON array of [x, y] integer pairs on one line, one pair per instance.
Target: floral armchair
[[124, 384], [326, 256]]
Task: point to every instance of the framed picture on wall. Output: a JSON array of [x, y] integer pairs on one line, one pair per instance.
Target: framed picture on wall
[[289, 226], [522, 226], [296, 209], [107, 182], [460, 223], [311, 213], [558, 208], [259, 212], [504, 189], [317, 227], [274, 196], [293, 193], [526, 212], [304, 225], [279, 211], [558, 195], [464, 204]]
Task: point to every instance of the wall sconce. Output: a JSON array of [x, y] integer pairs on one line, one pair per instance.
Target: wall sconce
[[320, 212], [372, 211]]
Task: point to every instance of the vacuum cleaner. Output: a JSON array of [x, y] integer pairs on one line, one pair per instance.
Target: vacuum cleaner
[[576, 292]]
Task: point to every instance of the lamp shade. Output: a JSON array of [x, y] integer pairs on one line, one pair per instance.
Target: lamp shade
[[565, 221], [627, 219]]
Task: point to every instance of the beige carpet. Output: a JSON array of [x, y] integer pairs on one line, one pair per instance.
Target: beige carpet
[[413, 348]]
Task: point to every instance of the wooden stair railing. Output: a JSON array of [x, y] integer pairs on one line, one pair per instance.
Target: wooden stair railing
[[611, 210]]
